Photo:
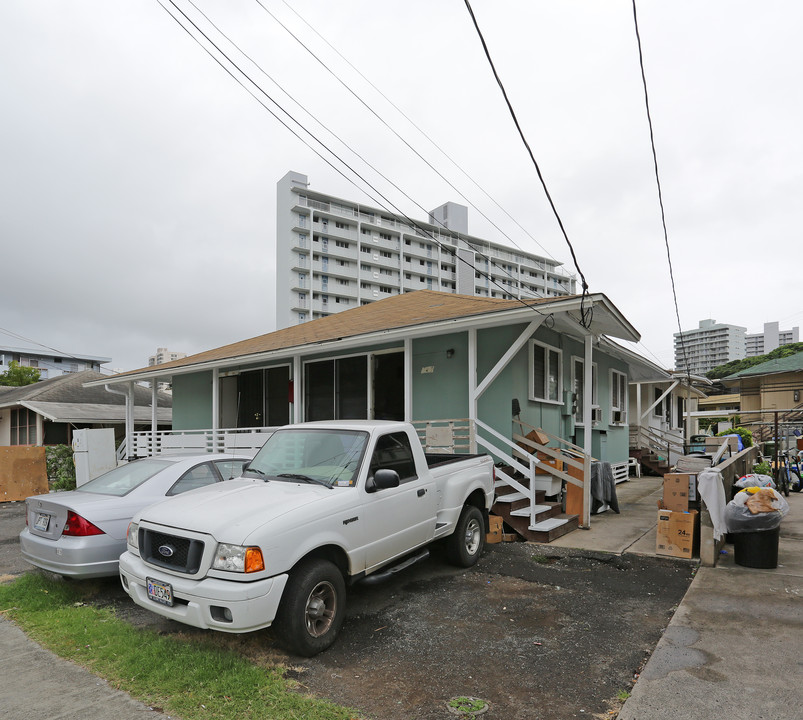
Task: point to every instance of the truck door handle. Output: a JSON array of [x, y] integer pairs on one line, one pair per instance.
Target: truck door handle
[[422, 492]]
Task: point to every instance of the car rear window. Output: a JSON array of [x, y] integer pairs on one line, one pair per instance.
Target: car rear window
[[125, 478]]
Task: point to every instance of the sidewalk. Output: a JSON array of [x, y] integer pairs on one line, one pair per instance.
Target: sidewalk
[[732, 651]]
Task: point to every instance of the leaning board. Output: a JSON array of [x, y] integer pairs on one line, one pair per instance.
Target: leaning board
[[23, 472]]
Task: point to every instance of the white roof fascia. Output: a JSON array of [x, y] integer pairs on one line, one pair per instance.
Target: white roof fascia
[[492, 319]]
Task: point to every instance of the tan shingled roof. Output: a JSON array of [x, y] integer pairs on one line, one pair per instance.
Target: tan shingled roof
[[397, 311]]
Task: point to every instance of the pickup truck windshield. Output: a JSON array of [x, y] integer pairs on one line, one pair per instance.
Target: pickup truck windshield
[[330, 457]]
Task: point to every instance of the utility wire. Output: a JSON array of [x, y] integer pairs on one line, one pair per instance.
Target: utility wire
[[347, 146], [389, 203], [660, 194], [586, 320], [420, 130], [387, 125]]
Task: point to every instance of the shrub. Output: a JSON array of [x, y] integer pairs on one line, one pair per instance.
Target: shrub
[[744, 433], [60, 467]]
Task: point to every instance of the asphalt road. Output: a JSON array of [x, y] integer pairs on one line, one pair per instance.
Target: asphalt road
[[536, 631]]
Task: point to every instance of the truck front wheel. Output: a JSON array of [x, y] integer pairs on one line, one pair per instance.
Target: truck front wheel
[[465, 544], [312, 608]]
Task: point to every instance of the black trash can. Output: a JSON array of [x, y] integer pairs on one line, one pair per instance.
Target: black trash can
[[756, 549]]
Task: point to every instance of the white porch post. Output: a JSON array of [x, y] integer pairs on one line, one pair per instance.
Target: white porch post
[[638, 410], [297, 388], [129, 418], [585, 521], [473, 395], [217, 440], [154, 414], [408, 379]]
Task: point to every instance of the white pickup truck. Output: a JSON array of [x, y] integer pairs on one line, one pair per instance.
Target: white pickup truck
[[320, 505]]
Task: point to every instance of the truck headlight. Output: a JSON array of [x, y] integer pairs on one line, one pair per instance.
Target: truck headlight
[[132, 537], [237, 558]]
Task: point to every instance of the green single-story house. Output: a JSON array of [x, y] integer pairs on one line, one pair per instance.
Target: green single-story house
[[501, 365]]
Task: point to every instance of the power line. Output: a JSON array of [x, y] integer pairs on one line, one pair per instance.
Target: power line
[[420, 130], [586, 321], [389, 203], [658, 184], [387, 125]]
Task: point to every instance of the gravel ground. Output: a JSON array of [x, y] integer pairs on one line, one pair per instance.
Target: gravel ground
[[537, 632]]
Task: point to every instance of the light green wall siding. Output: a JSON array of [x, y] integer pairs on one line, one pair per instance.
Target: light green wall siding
[[442, 393], [192, 401]]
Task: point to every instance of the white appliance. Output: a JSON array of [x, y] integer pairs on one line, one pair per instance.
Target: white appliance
[[94, 453]]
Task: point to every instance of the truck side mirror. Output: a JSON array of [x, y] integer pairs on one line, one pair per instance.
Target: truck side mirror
[[382, 480]]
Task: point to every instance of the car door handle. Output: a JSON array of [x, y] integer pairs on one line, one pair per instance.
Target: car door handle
[[422, 492]]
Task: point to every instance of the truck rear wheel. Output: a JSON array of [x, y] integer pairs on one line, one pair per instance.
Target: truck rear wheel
[[465, 544], [312, 608]]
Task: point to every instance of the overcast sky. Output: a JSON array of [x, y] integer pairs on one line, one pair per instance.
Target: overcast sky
[[138, 179]]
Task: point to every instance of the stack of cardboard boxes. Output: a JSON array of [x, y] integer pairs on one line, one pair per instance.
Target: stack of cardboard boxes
[[679, 517]]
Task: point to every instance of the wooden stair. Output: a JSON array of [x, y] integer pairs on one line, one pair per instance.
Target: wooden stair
[[514, 508], [651, 464]]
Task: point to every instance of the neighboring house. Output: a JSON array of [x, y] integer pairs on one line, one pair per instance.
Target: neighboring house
[[775, 386], [334, 254], [47, 412], [501, 364], [663, 417], [50, 364]]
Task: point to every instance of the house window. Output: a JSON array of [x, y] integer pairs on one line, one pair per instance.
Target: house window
[[23, 427], [618, 398], [658, 410], [578, 376], [546, 372]]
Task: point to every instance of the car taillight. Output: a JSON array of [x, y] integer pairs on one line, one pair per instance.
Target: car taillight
[[77, 526]]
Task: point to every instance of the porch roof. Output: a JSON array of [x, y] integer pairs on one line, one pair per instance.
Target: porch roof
[[420, 313], [96, 413]]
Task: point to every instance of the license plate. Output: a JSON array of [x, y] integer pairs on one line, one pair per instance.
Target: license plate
[[42, 522], [160, 592]]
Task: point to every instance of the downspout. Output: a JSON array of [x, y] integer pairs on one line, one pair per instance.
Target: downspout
[[473, 395], [217, 439], [129, 426]]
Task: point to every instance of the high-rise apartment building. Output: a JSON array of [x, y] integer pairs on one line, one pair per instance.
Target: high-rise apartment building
[[334, 254], [710, 345], [164, 355], [772, 337]]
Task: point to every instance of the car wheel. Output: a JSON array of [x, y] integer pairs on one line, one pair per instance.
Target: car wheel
[[312, 608], [465, 544]]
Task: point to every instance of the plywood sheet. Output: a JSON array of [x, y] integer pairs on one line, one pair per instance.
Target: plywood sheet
[[23, 472]]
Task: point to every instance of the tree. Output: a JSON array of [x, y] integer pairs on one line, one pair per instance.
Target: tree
[[18, 375]]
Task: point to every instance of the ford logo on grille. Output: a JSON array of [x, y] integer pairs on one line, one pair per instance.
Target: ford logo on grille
[[167, 550]]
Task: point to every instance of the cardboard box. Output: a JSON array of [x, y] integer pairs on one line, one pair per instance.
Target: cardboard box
[[678, 534], [680, 492], [495, 532]]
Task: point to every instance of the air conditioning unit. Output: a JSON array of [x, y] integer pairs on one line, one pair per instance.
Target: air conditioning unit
[[618, 416], [596, 414]]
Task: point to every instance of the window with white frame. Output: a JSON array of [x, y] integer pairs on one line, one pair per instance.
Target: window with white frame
[[618, 398], [546, 375], [578, 385]]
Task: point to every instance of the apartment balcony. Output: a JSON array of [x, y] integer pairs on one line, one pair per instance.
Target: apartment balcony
[[300, 262], [330, 230]]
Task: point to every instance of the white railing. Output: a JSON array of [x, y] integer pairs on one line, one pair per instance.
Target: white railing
[[243, 441]]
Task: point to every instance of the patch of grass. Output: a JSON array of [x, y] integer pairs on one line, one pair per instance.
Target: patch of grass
[[191, 679], [622, 695], [540, 559], [467, 705]]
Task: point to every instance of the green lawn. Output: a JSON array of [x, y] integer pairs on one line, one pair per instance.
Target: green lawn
[[189, 677]]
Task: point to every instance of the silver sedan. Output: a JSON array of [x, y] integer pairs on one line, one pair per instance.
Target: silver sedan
[[81, 533]]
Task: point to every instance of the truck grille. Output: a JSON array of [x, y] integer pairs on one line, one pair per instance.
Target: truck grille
[[170, 551]]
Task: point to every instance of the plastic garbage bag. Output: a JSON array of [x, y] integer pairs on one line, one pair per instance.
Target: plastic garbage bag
[[755, 480], [755, 510]]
